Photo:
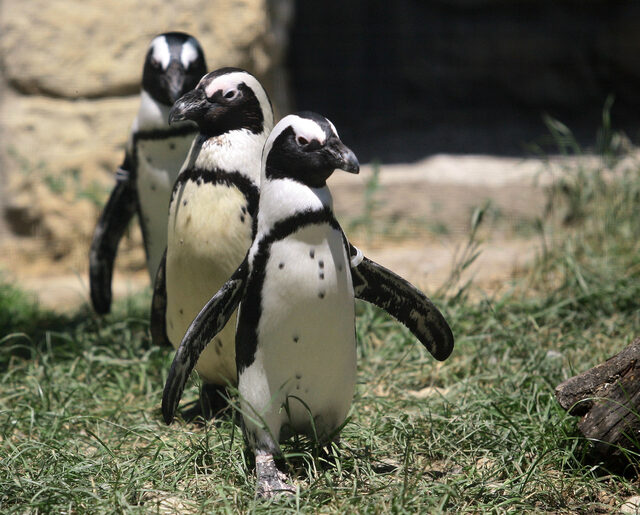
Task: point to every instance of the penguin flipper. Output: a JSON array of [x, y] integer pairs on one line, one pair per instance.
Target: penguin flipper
[[406, 303], [209, 322], [113, 221], [158, 325]]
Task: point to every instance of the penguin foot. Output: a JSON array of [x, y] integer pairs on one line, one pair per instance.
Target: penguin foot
[[212, 403], [271, 481]]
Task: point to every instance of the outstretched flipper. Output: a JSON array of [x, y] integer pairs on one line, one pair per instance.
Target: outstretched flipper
[[159, 306], [113, 221], [398, 297], [209, 322]]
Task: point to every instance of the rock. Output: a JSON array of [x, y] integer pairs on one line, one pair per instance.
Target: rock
[[54, 135], [72, 74], [631, 505], [96, 49]]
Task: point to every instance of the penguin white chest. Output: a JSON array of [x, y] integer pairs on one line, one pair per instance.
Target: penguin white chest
[[306, 334], [208, 236], [159, 161]]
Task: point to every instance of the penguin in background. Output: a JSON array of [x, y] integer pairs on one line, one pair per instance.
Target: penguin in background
[[211, 217], [295, 337], [154, 154]]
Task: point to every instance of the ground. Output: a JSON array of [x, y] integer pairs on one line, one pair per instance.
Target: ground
[[413, 218], [482, 432]]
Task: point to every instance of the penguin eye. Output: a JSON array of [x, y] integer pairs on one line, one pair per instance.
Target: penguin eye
[[230, 94], [302, 141]]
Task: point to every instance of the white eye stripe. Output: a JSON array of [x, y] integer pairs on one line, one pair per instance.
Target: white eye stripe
[[188, 54], [232, 80], [225, 83], [302, 128], [333, 128], [308, 130], [161, 51]]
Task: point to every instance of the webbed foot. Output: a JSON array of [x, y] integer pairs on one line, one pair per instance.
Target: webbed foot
[[271, 481]]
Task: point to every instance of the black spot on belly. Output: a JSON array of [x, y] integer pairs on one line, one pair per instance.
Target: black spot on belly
[[184, 202], [181, 311], [244, 210], [340, 267], [321, 275], [321, 294], [153, 187], [172, 146], [242, 218], [281, 266], [295, 338], [298, 376], [321, 263], [219, 343], [312, 253], [149, 160]]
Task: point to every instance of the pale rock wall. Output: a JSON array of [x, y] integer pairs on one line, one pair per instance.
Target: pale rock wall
[[70, 75]]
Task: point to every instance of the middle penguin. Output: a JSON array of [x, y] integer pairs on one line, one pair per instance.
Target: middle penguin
[[212, 217]]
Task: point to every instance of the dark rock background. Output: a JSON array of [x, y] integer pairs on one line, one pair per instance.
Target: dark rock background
[[409, 78]]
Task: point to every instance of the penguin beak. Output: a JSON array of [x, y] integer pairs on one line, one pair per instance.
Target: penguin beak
[[176, 84], [190, 106], [343, 157]]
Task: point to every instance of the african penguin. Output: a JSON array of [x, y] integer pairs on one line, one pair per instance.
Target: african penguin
[[295, 336], [155, 152], [211, 216]]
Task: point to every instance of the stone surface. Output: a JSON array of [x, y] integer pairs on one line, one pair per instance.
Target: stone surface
[[69, 85], [55, 135], [631, 505], [76, 49], [60, 156]]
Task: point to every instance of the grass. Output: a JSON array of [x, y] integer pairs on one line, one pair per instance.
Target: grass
[[81, 431]]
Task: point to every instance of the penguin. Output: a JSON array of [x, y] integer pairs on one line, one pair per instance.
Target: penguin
[[155, 152], [211, 217], [295, 335]]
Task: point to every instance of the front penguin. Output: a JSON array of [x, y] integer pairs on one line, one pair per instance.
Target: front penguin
[[295, 337], [295, 343]]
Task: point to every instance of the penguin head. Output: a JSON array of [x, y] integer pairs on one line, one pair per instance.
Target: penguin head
[[305, 147], [174, 65], [225, 100]]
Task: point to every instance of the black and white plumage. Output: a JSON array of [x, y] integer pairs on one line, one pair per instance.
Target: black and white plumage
[[155, 152], [211, 216], [295, 338]]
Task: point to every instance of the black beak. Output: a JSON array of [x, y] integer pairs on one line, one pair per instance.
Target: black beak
[[175, 79], [343, 157], [190, 106]]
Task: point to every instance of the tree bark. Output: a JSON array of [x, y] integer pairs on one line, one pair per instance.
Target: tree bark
[[607, 397]]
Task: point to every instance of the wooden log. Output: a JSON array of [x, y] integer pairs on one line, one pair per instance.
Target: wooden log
[[607, 397]]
